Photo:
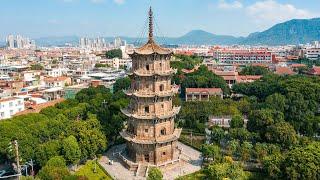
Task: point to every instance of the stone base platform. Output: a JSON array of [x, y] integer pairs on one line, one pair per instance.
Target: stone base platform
[[190, 161]]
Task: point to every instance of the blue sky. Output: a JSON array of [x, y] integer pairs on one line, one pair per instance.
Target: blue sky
[[39, 18]]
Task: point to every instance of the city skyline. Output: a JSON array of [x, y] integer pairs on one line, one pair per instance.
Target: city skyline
[[123, 17]]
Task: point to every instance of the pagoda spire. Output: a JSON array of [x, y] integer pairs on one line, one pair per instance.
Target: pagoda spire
[[150, 25]]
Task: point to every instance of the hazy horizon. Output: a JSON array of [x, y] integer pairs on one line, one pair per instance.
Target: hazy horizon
[[110, 18]]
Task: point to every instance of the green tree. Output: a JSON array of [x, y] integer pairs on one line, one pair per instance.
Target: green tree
[[241, 134], [246, 151], [55, 169], [217, 134], [37, 67], [114, 53], [303, 162], [71, 150], [225, 170], [276, 101], [232, 147], [282, 133], [254, 70], [98, 65], [273, 165], [121, 84], [237, 122], [46, 151], [211, 152], [154, 174]]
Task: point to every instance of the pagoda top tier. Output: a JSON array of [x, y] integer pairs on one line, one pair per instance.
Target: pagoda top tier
[[151, 47]]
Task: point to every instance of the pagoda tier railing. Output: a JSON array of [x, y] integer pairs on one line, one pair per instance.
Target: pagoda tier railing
[[155, 72], [173, 90], [163, 115], [151, 140]]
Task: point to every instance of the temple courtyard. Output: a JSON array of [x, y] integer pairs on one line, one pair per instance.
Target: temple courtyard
[[189, 162]]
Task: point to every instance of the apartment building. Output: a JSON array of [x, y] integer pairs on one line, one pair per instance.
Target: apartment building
[[10, 106], [243, 56], [313, 54]]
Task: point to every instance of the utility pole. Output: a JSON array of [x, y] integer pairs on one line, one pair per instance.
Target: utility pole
[[16, 150]]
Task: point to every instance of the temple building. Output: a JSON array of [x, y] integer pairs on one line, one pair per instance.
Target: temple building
[[150, 131]]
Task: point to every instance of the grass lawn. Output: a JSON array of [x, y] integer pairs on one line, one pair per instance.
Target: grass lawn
[[196, 141], [88, 171], [199, 175]]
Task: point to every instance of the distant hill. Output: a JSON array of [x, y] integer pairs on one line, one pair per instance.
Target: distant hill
[[296, 31], [199, 37], [57, 40]]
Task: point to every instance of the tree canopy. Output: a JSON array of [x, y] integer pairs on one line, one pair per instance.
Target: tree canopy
[[114, 53]]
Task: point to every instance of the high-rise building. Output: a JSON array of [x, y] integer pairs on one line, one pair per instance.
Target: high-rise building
[[117, 42], [19, 42], [97, 43], [151, 134], [10, 42]]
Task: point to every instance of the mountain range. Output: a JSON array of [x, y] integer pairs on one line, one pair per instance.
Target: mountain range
[[296, 31]]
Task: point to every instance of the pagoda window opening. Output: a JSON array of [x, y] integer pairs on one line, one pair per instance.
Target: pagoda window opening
[[163, 132], [161, 87], [147, 67], [146, 109]]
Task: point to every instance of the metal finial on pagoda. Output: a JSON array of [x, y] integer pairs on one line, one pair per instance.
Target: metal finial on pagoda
[[150, 25]]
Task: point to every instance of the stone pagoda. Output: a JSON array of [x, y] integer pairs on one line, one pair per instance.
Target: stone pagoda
[[150, 132]]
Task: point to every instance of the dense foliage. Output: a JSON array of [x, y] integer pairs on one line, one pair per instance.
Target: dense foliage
[[185, 62], [98, 65], [121, 84], [254, 70], [114, 53], [36, 67], [154, 174], [296, 98], [75, 129], [201, 78]]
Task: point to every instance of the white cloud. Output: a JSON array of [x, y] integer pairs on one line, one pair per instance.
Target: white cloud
[[271, 12], [119, 1], [223, 4]]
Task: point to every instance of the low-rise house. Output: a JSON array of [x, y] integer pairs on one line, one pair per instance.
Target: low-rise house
[[202, 94], [247, 78], [315, 70], [222, 121], [51, 82], [10, 106]]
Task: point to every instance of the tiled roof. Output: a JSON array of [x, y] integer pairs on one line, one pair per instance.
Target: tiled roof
[[39, 107], [150, 48], [7, 99], [54, 79], [284, 71], [315, 70]]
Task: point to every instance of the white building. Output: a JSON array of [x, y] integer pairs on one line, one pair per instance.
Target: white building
[[10, 106], [117, 63], [56, 72], [313, 54]]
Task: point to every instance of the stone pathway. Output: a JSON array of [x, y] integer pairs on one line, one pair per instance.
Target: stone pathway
[[191, 163]]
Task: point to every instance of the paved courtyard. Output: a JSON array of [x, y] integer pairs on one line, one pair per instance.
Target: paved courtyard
[[190, 162]]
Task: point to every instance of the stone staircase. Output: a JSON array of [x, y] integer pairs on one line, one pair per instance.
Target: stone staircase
[[142, 169]]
